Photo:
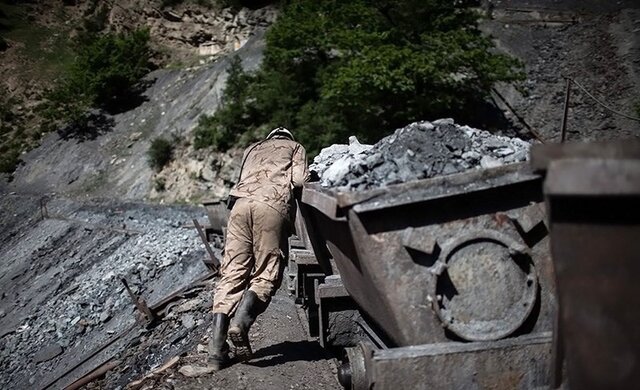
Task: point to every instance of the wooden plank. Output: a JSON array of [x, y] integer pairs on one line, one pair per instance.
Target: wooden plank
[[93, 375], [215, 262]]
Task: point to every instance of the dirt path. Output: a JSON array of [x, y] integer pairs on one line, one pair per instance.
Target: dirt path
[[284, 357]]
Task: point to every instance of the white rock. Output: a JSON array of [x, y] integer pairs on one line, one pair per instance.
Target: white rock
[[195, 371], [502, 152], [426, 126], [471, 155], [444, 121], [355, 147], [337, 170], [489, 162]]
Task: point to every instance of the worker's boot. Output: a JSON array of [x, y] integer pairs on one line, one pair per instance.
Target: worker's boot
[[250, 308], [218, 347]]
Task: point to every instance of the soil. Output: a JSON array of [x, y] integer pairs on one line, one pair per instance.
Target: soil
[[596, 43]]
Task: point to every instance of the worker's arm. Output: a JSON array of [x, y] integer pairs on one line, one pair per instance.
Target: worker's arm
[[300, 171]]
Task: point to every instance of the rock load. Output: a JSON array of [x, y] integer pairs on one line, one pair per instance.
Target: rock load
[[418, 151]]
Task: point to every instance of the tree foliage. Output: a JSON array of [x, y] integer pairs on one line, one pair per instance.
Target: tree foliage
[[334, 68], [225, 128], [104, 74]]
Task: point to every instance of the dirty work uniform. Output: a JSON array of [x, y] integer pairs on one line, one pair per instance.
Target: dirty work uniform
[[259, 223]]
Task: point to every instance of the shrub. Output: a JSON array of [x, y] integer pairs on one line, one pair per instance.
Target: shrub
[[160, 184], [11, 134], [9, 158], [160, 153], [204, 3], [105, 73]]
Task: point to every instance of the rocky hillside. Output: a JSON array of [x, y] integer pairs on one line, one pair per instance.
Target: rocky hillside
[[191, 42], [596, 44]]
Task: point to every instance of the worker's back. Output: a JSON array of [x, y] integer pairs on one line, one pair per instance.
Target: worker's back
[[270, 170]]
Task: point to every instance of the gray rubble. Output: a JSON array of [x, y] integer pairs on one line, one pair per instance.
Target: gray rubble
[[61, 290], [418, 151]]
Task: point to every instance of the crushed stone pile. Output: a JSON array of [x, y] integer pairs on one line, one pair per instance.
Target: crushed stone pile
[[418, 151], [63, 295]]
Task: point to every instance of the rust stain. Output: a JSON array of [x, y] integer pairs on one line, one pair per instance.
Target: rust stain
[[505, 380], [501, 218]]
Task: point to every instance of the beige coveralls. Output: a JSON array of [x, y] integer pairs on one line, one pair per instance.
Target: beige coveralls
[[256, 243]]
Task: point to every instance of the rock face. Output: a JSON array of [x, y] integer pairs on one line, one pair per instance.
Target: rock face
[[190, 29], [417, 151], [195, 39]]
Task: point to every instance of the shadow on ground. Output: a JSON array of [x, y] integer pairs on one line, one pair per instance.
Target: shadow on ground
[[92, 125], [100, 121], [288, 351], [130, 99]]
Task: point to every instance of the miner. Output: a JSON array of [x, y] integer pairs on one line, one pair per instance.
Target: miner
[[262, 207]]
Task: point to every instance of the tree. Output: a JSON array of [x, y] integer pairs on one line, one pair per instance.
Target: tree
[[334, 68], [105, 74], [225, 128]]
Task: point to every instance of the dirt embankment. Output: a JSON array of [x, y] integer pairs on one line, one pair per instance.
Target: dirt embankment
[[597, 43]]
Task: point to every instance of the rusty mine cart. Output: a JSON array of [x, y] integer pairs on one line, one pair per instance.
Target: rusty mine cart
[[453, 281]]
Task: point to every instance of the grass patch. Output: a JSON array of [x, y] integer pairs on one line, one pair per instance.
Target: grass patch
[[48, 50]]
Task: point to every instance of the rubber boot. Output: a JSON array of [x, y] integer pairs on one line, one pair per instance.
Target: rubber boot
[[250, 308], [218, 347]]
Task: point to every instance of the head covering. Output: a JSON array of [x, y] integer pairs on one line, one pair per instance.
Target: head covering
[[281, 131]]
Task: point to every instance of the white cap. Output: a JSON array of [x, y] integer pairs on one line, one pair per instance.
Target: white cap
[[281, 131]]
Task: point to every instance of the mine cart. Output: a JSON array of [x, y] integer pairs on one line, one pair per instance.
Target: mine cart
[[218, 215], [451, 275], [593, 192]]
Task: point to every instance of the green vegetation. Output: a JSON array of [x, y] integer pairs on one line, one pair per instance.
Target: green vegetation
[[160, 184], [11, 145], [105, 73], [44, 52], [94, 70], [223, 130], [47, 49], [160, 153], [365, 67]]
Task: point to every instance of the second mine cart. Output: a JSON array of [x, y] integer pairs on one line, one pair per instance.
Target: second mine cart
[[452, 276]]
